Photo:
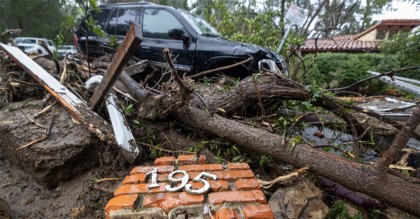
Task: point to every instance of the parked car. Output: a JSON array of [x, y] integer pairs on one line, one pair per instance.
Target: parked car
[[196, 45], [51, 45], [33, 45], [66, 50]]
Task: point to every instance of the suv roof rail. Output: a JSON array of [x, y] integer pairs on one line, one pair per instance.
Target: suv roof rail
[[132, 3]]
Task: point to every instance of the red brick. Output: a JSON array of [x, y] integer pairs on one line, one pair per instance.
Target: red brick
[[191, 159], [238, 166], [258, 212], [168, 201], [135, 179], [218, 198], [163, 177], [138, 188], [202, 159], [219, 185], [216, 186], [146, 169], [234, 174], [131, 189], [194, 174], [229, 175], [153, 200], [161, 188], [246, 184], [165, 161], [141, 178], [203, 167], [226, 213], [120, 202], [173, 200]]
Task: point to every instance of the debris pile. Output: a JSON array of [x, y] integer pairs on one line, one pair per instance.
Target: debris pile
[[138, 112]]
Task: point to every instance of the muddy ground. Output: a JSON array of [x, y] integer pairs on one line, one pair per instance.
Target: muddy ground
[[80, 197]]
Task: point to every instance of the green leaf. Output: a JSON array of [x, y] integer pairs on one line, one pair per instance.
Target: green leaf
[[237, 158], [294, 142]]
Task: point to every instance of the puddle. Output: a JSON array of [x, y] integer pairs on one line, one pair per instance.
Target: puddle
[[344, 141]]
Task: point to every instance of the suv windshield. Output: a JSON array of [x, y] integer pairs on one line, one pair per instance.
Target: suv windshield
[[200, 25]]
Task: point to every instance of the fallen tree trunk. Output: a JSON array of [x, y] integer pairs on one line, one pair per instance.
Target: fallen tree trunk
[[358, 177], [244, 94]]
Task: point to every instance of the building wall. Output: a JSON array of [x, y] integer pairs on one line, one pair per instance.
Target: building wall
[[371, 36], [384, 32]]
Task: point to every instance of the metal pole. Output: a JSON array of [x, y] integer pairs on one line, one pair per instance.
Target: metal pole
[[284, 38]]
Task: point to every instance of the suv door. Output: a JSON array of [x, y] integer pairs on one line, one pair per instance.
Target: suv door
[[156, 24]]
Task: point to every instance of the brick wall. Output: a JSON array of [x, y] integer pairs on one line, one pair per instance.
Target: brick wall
[[234, 194]]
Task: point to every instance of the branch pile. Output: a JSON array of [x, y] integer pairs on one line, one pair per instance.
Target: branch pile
[[251, 113]]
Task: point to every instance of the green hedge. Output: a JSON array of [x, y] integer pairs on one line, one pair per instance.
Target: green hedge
[[342, 69]]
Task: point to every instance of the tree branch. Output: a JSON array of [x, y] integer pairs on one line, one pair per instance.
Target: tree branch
[[399, 141], [390, 73]]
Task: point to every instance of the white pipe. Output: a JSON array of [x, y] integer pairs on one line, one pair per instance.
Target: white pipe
[[122, 131]]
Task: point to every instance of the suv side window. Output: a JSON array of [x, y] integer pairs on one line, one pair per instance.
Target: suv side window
[[99, 17], [120, 21], [158, 22]]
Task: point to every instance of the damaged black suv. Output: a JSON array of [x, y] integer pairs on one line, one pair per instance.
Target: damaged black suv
[[196, 45]]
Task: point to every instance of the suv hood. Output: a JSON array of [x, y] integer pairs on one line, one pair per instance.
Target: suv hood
[[237, 49]]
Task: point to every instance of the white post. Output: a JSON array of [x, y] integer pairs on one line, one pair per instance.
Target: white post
[[284, 38]]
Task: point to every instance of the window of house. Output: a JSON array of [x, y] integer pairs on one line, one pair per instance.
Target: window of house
[[380, 34], [158, 22], [392, 33]]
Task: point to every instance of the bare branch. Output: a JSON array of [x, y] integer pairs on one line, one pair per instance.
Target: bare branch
[[390, 74], [399, 141]]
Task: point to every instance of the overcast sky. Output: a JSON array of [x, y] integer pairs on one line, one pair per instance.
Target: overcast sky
[[404, 11]]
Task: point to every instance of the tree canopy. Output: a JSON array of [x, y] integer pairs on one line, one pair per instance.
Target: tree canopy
[[36, 18], [261, 22]]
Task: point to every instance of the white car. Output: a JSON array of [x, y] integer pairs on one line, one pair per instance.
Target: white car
[[32, 45], [67, 49]]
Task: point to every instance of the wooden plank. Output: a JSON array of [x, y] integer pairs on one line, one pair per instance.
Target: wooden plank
[[75, 106], [128, 47]]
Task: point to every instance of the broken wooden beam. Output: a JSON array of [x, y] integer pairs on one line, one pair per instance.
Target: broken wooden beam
[[128, 47], [75, 106]]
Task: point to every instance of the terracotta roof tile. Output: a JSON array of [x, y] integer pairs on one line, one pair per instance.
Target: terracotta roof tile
[[345, 43], [350, 43]]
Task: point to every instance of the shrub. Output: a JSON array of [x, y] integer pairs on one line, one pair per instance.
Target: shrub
[[406, 47], [332, 70]]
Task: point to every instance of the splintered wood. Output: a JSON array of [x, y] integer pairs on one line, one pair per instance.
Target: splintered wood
[[75, 106]]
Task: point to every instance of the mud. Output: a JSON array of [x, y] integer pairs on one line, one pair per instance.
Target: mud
[[76, 198], [54, 159], [56, 177]]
